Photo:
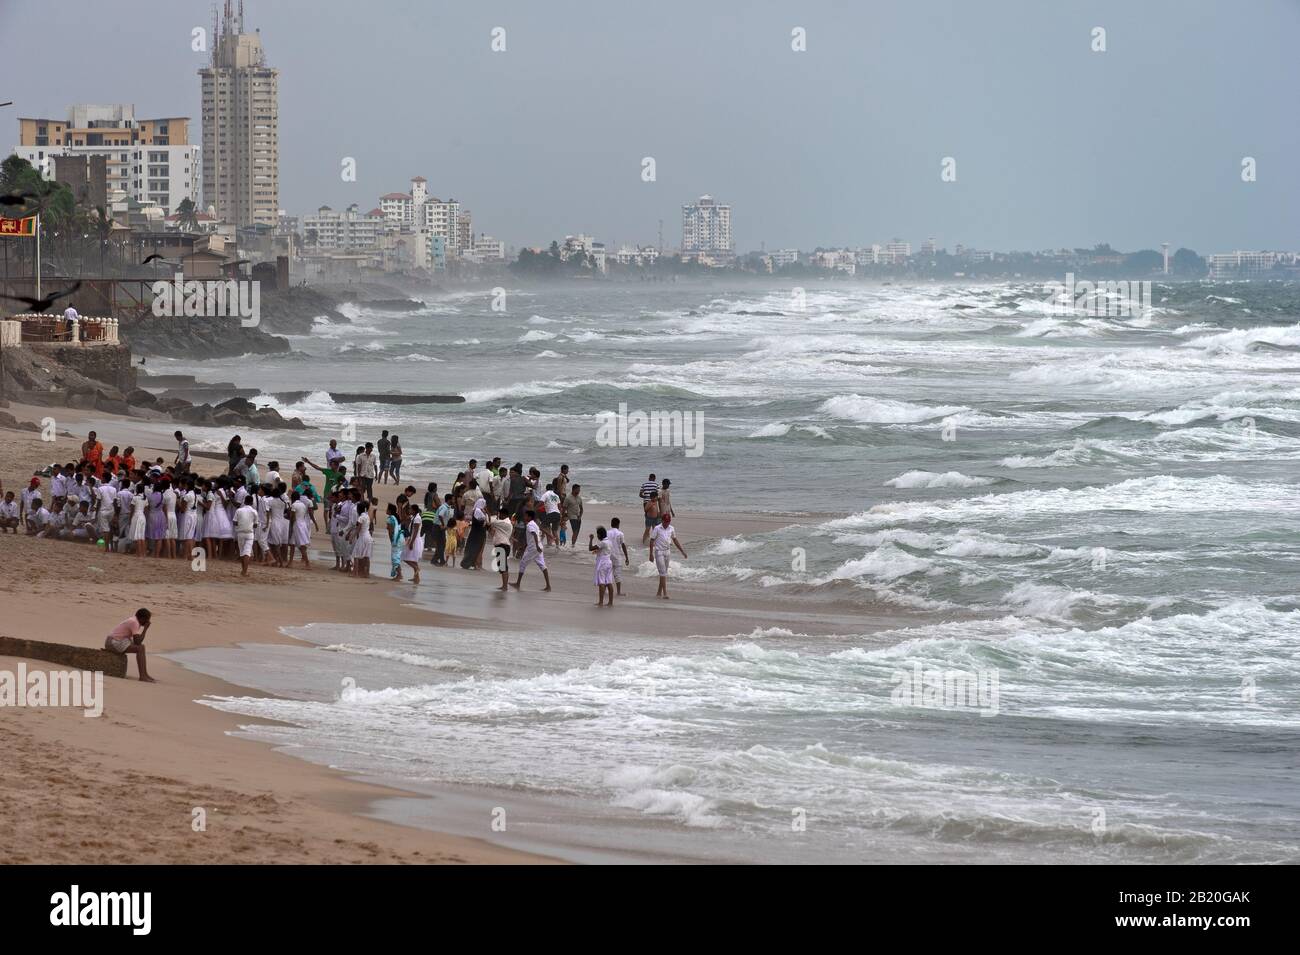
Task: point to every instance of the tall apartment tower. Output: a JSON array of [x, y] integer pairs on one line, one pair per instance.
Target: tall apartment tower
[[706, 227], [241, 118]]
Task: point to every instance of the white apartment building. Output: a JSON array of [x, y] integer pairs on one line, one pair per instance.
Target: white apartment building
[[345, 231], [636, 255], [488, 249], [783, 257], [1235, 265], [440, 218], [706, 228], [150, 160]]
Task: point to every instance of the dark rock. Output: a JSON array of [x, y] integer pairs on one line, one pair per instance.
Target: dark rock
[[141, 398]]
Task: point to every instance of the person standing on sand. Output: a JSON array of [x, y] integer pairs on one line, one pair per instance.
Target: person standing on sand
[[363, 468], [128, 637], [395, 460], [618, 553], [649, 493], [234, 453], [92, 452], [573, 513], [665, 499], [245, 522], [533, 551], [501, 530], [361, 540], [414, 548], [604, 566], [385, 457], [182, 462], [662, 539], [299, 527]]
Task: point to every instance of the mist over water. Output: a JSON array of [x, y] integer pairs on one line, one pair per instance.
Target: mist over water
[[1102, 509]]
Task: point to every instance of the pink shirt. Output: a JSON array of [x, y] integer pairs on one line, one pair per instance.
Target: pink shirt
[[127, 628]]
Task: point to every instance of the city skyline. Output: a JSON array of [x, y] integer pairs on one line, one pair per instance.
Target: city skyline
[[841, 144]]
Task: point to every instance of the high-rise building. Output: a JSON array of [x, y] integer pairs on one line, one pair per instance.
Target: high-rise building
[[347, 231], [706, 227], [150, 160], [241, 117]]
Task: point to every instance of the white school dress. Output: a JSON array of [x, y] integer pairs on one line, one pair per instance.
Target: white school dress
[[137, 517], [169, 508], [104, 515], [189, 518], [361, 546], [301, 531], [223, 528], [413, 549], [259, 529], [277, 524]]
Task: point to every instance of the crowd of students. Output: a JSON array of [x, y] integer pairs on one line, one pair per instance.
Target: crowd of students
[[253, 514]]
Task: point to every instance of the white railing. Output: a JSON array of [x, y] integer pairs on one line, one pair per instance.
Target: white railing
[[54, 329]]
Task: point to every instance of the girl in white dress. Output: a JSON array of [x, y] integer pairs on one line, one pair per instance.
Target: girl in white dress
[[259, 529], [207, 520], [361, 541], [223, 527], [277, 526], [169, 509], [138, 502], [299, 527], [188, 520], [413, 550]]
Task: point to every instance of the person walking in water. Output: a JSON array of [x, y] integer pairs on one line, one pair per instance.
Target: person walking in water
[[662, 540]]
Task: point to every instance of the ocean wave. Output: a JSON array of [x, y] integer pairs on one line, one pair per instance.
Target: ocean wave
[[868, 410], [929, 479]]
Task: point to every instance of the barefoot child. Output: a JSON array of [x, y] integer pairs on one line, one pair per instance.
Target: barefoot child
[[128, 637], [604, 565]]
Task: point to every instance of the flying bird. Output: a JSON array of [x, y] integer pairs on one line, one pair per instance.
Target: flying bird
[[39, 305], [155, 256]]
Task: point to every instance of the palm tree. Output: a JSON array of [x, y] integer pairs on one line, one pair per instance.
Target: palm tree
[[187, 216]]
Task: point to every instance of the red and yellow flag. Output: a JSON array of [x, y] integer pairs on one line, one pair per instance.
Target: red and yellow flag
[[17, 227]]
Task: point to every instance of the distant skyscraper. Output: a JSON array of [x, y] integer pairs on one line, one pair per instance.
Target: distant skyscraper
[[706, 227], [241, 118]]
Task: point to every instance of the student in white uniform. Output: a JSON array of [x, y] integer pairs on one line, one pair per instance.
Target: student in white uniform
[[533, 552], [361, 540], [662, 540], [299, 527], [618, 554], [245, 522], [9, 513]]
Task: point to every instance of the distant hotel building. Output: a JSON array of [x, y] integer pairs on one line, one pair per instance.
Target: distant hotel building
[[783, 257], [150, 160], [241, 118], [347, 231], [706, 228], [1240, 265]]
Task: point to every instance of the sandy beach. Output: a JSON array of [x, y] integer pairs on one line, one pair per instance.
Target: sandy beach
[[156, 755]]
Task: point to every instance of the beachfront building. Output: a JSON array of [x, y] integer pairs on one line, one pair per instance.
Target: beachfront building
[[636, 255], [1242, 265], [783, 257], [241, 118], [149, 160], [440, 218], [488, 249], [929, 246], [398, 208], [706, 229], [346, 231]]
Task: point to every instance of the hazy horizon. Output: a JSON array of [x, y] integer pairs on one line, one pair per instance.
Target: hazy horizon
[[1055, 145]]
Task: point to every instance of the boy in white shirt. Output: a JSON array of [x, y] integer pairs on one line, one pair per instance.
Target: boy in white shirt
[[533, 552], [662, 540], [9, 513]]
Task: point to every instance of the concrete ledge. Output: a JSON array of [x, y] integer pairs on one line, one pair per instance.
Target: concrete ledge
[[75, 658]]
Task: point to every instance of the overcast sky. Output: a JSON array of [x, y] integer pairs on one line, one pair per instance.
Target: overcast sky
[[840, 145]]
